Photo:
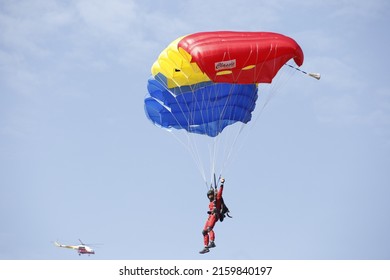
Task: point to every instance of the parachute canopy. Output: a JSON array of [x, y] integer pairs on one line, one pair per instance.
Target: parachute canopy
[[206, 81]]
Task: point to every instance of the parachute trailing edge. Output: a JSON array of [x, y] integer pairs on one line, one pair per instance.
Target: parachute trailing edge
[[191, 110]]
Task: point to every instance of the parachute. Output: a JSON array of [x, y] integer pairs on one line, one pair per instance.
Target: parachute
[[205, 82]]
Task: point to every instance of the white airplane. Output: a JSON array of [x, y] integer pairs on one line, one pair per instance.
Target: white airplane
[[82, 249]]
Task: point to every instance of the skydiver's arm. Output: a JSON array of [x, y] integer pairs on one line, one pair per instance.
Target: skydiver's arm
[[220, 191]]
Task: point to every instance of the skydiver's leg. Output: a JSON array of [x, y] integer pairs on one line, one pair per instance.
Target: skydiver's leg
[[205, 239], [205, 233], [212, 235], [210, 228]]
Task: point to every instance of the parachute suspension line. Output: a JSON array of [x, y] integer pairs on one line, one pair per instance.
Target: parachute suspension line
[[194, 154], [229, 148], [218, 142], [214, 142], [174, 96], [265, 98], [231, 135], [313, 75], [199, 105], [213, 145], [192, 143], [259, 93], [225, 140], [191, 146], [212, 155], [242, 125], [192, 139], [224, 143], [279, 81], [268, 92]]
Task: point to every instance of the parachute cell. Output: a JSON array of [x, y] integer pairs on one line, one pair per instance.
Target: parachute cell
[[207, 81], [206, 110]]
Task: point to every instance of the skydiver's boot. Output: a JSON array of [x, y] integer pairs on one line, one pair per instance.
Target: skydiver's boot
[[211, 245], [205, 250]]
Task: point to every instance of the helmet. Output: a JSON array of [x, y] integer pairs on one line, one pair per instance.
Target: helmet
[[210, 192]]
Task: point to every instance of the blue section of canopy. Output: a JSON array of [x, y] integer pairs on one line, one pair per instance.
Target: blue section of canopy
[[203, 110]]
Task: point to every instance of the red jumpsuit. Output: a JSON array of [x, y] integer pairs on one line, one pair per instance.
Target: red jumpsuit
[[208, 232]]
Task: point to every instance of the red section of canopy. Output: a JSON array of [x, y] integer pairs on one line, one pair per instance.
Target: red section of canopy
[[232, 51]]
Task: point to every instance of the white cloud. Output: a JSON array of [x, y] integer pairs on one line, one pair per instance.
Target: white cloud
[[44, 44], [42, 41], [106, 18]]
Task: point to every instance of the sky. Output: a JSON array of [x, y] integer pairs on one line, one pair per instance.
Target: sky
[[80, 160]]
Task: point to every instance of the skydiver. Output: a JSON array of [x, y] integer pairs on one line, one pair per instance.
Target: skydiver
[[214, 210]]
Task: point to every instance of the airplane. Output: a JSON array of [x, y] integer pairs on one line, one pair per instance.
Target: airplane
[[82, 249]]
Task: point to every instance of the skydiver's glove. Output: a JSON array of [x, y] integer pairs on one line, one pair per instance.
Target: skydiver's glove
[[209, 212], [222, 180]]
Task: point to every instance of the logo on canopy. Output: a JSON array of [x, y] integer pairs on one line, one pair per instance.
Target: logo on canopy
[[222, 65]]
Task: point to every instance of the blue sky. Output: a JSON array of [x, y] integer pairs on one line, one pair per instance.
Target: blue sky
[[79, 159]]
